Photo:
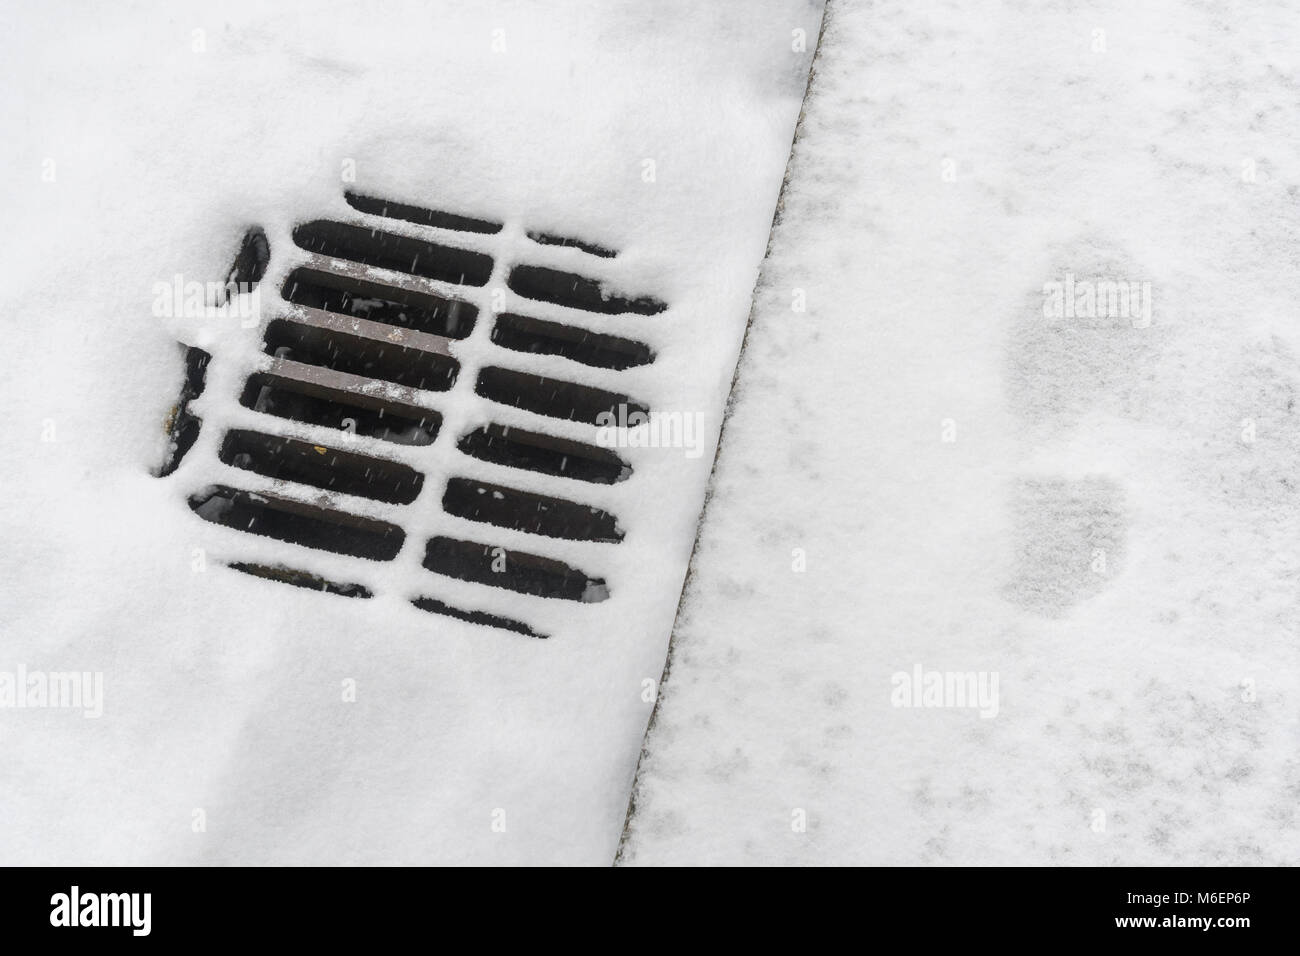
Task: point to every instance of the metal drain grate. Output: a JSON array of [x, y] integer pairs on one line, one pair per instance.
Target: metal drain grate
[[364, 411]]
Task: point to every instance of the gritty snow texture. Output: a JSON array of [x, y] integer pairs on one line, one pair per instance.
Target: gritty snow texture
[[1100, 513], [143, 139]]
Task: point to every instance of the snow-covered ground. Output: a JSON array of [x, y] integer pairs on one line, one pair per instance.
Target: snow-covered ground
[[1100, 512], [922, 469], [244, 721]]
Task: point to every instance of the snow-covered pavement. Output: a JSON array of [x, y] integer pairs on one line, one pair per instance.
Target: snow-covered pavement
[[932, 470]]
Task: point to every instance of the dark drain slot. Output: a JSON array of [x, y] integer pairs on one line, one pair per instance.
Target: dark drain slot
[[355, 355], [302, 579], [370, 247], [513, 570], [288, 459], [523, 334], [576, 292], [183, 428], [550, 239], [407, 310], [300, 523], [424, 217], [284, 399], [545, 454], [524, 511], [552, 397], [249, 265], [475, 617]]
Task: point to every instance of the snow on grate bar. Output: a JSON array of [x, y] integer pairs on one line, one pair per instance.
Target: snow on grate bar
[[338, 429]]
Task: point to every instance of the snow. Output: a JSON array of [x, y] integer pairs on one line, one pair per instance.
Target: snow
[[143, 143], [1148, 709]]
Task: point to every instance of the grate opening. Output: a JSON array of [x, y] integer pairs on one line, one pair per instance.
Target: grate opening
[[302, 579], [288, 459], [341, 351], [286, 398], [299, 523], [344, 295], [552, 397], [520, 333], [533, 451], [384, 250], [512, 570], [576, 292], [416, 214], [525, 511], [551, 239], [249, 266], [476, 617], [182, 426]]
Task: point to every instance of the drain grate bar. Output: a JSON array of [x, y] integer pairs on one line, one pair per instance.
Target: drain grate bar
[[352, 353], [383, 336]]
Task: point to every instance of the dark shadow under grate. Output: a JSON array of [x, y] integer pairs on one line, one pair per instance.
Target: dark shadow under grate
[[551, 239], [299, 523], [552, 397], [301, 579], [340, 351], [340, 410], [513, 570], [546, 454], [288, 459], [525, 511], [577, 292], [521, 333], [416, 214], [183, 428], [358, 298], [475, 617], [386, 250]]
